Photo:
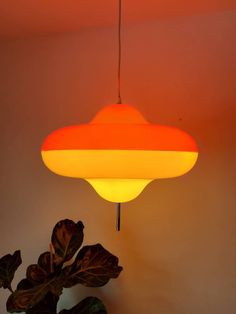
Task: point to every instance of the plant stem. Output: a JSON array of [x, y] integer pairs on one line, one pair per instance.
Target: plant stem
[[51, 258]]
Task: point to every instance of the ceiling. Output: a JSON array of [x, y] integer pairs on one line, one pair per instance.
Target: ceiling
[[23, 18]]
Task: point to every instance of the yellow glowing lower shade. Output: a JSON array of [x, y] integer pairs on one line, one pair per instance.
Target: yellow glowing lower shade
[[139, 167], [118, 190]]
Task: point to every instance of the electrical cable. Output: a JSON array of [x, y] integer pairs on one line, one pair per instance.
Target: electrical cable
[[119, 51]]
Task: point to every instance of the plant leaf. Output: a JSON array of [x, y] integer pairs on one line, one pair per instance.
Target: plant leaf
[[36, 274], [24, 284], [67, 237], [47, 306], [23, 300], [93, 267], [90, 305], [44, 262], [8, 265]]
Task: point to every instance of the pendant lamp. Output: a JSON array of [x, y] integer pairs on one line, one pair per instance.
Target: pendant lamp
[[119, 152]]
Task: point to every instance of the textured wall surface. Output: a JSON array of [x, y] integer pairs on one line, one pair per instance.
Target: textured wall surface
[[178, 239]]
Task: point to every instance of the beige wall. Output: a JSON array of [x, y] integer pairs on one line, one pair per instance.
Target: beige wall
[[178, 239]]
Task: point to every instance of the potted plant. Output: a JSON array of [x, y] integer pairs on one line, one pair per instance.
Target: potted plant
[[62, 267]]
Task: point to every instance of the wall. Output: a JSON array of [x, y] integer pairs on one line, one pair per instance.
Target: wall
[[178, 238]]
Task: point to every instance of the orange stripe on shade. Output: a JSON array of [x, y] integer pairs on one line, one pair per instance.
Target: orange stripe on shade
[[120, 137]]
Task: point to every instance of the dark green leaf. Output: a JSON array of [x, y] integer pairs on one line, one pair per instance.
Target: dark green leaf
[[23, 300], [24, 284], [47, 306], [90, 305], [36, 274], [67, 238], [45, 262], [8, 265], [93, 267]]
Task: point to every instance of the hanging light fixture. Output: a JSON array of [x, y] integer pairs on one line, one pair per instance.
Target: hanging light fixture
[[119, 153]]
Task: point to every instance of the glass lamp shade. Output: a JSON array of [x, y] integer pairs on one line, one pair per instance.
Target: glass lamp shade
[[119, 152]]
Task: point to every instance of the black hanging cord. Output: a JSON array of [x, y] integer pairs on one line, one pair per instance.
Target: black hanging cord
[[119, 51], [118, 217]]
